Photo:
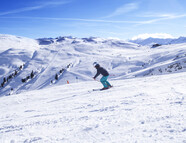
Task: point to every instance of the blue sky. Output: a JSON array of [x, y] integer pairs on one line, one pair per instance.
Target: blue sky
[[124, 19]]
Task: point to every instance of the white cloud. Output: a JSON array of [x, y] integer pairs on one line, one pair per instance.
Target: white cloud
[[33, 7], [73, 19], [155, 35], [160, 17], [95, 20], [124, 9], [170, 16], [20, 10]]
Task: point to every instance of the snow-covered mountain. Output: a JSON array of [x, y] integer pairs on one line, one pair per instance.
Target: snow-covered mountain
[[69, 59], [46, 91], [14, 53], [179, 40], [16, 42], [151, 41]]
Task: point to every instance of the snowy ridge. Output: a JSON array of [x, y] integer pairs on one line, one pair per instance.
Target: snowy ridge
[[151, 41], [17, 42]]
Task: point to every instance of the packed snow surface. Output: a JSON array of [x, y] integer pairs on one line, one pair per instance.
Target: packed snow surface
[[149, 109]]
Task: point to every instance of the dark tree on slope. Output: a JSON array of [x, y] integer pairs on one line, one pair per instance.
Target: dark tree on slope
[[23, 80], [56, 76], [156, 45], [15, 73], [32, 74], [4, 79], [2, 84]]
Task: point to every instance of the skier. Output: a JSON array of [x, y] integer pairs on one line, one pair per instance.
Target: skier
[[103, 80]]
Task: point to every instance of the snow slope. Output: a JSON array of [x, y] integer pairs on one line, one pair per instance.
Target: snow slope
[[79, 53], [146, 104], [17, 42], [139, 110], [14, 52], [71, 60]]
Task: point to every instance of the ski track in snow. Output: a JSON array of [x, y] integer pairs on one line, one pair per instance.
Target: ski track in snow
[[140, 110]]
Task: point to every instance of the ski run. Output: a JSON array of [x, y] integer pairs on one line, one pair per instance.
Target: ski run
[[49, 97]]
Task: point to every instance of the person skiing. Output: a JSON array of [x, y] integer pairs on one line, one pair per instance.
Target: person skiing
[[103, 80]]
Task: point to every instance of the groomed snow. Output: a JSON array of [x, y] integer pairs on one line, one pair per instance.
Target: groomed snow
[[139, 110]]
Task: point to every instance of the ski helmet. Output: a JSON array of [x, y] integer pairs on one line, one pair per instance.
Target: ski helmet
[[95, 63], [97, 66]]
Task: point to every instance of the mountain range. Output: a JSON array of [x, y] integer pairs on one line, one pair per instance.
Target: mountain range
[[47, 58], [161, 41]]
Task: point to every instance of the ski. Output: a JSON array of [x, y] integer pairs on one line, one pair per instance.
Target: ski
[[102, 89], [96, 89]]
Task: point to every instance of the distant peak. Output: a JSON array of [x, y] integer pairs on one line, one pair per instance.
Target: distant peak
[[155, 36]]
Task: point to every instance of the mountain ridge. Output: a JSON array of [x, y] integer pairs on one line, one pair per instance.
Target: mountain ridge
[[150, 41]]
